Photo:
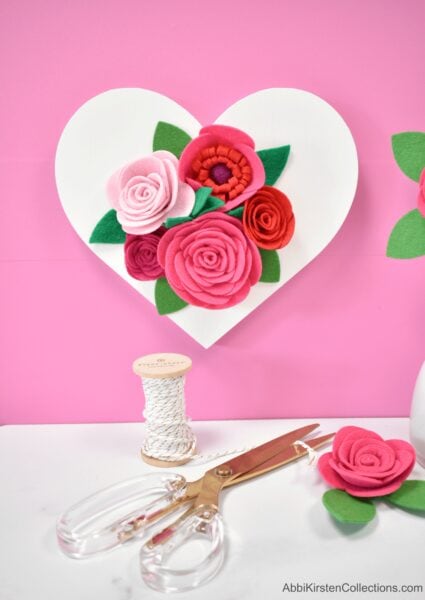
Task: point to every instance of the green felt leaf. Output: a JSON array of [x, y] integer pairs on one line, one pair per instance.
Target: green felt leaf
[[171, 138], [409, 152], [166, 300], [348, 509], [173, 221], [236, 212], [274, 161], [212, 204], [407, 239], [271, 266], [410, 495], [201, 196], [108, 230]]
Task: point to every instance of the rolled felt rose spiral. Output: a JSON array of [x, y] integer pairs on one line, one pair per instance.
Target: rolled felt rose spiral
[[365, 465], [141, 260]]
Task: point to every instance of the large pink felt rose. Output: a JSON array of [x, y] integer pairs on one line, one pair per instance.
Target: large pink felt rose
[[421, 195], [147, 191], [223, 158], [363, 464], [209, 262], [140, 252]]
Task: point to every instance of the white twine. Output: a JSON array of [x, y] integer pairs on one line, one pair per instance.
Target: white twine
[[168, 434]]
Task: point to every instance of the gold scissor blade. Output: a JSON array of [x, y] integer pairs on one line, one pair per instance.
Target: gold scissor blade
[[282, 458], [257, 456]]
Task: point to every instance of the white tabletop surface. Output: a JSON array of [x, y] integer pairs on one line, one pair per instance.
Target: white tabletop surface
[[277, 530]]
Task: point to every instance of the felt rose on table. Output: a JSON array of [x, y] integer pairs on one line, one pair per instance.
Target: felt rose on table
[[223, 158], [147, 191], [210, 262], [421, 195], [141, 260], [365, 465], [268, 219]]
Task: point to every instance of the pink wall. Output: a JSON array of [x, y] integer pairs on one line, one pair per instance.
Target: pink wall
[[345, 337]]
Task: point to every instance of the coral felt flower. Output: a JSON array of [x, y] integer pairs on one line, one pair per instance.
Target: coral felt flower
[[365, 465], [421, 195], [268, 219], [223, 158], [141, 260], [147, 191], [209, 262]]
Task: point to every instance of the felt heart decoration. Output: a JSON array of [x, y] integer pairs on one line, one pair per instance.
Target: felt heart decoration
[[120, 126]]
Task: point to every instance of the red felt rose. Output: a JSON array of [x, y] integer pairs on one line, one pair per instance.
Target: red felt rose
[[224, 159], [209, 262], [268, 219], [363, 464], [140, 253], [421, 195]]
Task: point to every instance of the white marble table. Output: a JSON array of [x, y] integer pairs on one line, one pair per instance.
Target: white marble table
[[277, 529]]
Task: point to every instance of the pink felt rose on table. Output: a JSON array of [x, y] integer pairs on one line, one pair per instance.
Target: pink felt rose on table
[[365, 465], [421, 195], [209, 262], [147, 191], [223, 158], [141, 260]]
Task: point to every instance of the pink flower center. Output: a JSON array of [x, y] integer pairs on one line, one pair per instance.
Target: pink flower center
[[220, 173]]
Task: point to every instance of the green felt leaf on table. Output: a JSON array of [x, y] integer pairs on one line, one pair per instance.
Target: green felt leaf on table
[[274, 161], [407, 239], [108, 230], [410, 495], [171, 138], [236, 212], [348, 509], [271, 266], [166, 300], [409, 152]]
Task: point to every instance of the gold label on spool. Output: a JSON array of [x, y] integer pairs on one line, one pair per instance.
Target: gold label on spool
[[162, 365]]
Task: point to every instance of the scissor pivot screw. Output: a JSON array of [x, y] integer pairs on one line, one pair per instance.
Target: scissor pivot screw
[[223, 471]]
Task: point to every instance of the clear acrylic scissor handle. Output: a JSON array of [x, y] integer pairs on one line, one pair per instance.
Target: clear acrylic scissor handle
[[116, 514], [156, 557]]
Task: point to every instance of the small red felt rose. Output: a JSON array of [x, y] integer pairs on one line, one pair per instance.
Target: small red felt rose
[[268, 219], [421, 195], [365, 465], [209, 262], [140, 253], [223, 158]]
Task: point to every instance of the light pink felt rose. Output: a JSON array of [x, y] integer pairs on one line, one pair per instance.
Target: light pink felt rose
[[365, 465], [421, 195], [140, 252], [224, 159], [210, 262], [147, 191]]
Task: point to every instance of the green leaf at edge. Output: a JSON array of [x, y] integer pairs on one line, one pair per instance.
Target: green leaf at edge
[[171, 138], [410, 495], [201, 196], [174, 221], [407, 239], [274, 161], [108, 230], [409, 152], [236, 212], [348, 509], [166, 300], [271, 266]]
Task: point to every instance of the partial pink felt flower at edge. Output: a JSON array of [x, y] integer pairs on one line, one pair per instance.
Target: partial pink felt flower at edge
[[223, 158], [421, 195], [365, 465]]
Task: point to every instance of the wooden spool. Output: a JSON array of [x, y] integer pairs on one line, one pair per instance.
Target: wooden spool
[[162, 365]]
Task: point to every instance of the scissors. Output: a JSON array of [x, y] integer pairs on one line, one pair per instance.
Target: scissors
[[120, 514]]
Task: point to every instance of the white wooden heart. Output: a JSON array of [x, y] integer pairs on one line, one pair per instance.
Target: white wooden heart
[[320, 177]]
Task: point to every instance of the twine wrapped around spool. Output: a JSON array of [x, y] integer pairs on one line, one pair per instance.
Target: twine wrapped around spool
[[169, 440]]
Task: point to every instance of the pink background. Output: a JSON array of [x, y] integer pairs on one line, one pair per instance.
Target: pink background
[[345, 337]]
